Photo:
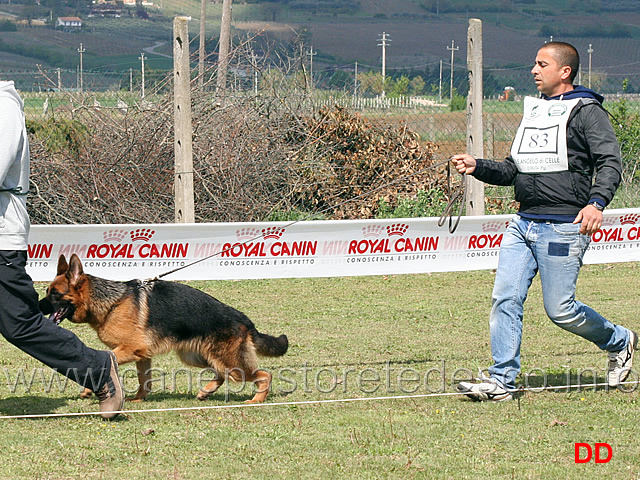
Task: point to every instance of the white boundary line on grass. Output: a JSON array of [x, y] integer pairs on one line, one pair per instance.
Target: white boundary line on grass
[[306, 402]]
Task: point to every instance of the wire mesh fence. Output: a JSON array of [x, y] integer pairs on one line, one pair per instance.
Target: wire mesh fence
[[280, 141]]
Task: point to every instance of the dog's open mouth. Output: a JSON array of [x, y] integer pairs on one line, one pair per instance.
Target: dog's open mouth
[[61, 313]]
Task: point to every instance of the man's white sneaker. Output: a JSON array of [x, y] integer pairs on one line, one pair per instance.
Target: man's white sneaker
[[486, 390], [620, 363]]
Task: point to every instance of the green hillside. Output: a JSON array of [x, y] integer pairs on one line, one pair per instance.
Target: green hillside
[[341, 33]]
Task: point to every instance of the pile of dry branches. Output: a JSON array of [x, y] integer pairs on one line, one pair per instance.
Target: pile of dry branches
[[120, 170], [348, 164], [254, 157]]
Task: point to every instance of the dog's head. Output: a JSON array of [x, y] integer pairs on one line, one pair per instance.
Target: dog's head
[[64, 294]]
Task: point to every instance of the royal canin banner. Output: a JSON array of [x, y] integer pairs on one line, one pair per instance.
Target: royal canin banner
[[227, 251]]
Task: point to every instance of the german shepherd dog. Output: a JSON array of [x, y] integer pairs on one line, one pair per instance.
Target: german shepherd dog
[[138, 320]]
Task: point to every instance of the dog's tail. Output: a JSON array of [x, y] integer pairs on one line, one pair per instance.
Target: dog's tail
[[269, 346]]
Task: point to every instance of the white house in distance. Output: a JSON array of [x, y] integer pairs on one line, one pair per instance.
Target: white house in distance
[[132, 3], [69, 23]]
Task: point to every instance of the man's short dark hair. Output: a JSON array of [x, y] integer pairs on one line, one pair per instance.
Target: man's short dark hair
[[566, 55]]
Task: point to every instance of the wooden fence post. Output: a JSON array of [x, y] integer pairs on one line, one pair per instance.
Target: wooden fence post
[[475, 188], [225, 44], [183, 181]]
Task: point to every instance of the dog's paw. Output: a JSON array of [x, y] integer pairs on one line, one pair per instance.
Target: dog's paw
[[134, 400], [86, 393]]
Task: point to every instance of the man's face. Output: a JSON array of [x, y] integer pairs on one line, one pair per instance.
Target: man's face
[[550, 77]]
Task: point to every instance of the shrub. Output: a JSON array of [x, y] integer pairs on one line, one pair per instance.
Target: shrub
[[60, 134], [429, 203], [626, 124], [458, 102], [8, 26]]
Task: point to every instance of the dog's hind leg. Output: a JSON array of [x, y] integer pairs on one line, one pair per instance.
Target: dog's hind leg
[[86, 393], [144, 380], [262, 380]]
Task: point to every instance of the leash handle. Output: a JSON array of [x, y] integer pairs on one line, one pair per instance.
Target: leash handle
[[459, 195]]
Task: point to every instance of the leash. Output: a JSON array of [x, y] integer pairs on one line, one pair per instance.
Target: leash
[[14, 190], [459, 195], [448, 210]]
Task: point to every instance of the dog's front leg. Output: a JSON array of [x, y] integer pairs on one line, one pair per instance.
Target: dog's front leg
[[144, 379], [211, 387], [129, 353]]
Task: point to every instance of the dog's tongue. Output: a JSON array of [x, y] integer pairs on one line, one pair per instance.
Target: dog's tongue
[[58, 316]]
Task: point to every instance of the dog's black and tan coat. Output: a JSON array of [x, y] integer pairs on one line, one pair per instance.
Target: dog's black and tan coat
[[141, 319]]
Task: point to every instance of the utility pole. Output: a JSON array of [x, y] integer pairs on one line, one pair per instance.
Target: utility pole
[[255, 72], [59, 81], [355, 81], [590, 51], [440, 86], [81, 51], [203, 18], [453, 50], [225, 43], [141, 57], [384, 41], [311, 53]]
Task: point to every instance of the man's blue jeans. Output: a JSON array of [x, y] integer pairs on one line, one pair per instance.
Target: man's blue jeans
[[556, 251]]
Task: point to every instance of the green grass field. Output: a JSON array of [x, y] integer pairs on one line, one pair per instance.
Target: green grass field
[[349, 338]]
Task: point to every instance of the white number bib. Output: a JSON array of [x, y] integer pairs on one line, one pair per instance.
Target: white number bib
[[540, 145]]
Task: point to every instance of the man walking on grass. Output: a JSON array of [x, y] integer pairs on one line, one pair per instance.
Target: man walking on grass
[[565, 168]]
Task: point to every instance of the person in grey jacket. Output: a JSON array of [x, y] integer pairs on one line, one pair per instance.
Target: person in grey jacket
[[21, 322], [565, 167]]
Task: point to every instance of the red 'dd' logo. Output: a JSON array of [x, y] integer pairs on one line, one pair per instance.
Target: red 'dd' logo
[[584, 453]]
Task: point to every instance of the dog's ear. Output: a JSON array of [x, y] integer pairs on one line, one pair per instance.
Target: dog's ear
[[62, 265], [75, 272]]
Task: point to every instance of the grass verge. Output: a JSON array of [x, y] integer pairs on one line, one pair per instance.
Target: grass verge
[[350, 338]]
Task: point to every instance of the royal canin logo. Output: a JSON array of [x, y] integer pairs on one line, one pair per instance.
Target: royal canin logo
[[398, 229], [255, 243], [245, 234], [630, 219], [114, 236], [494, 226], [610, 232], [372, 231], [373, 244], [272, 232], [143, 234], [113, 247]]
